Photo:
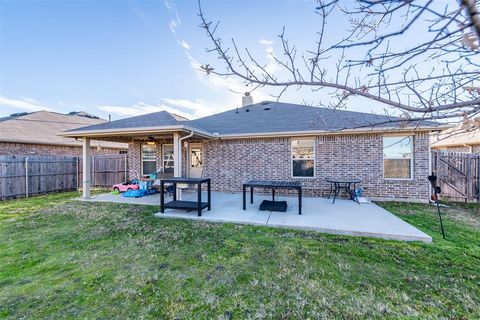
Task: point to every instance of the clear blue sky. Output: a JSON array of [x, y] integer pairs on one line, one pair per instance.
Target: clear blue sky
[[130, 57]]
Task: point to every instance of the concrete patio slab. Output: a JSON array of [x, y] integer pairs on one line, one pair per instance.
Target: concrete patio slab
[[345, 217]]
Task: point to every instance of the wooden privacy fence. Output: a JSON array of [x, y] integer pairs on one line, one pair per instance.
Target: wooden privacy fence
[[458, 174], [30, 175]]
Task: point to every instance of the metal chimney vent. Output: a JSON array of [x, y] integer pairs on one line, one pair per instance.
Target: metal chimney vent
[[247, 99]]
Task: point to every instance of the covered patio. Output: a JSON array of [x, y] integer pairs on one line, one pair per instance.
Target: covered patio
[[160, 144], [345, 217]]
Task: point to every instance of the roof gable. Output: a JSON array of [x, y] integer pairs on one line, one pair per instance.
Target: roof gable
[[156, 119]]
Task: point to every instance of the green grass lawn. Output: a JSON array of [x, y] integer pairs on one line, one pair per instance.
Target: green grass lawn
[[67, 259]]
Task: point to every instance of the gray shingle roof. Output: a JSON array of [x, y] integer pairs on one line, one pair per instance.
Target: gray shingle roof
[[264, 117], [285, 117], [162, 118]]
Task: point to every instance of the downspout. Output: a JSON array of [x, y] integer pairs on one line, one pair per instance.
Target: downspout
[[180, 141], [470, 148], [181, 186]]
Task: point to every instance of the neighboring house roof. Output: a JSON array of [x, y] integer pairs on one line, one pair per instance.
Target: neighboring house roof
[[455, 137], [42, 127], [263, 118]]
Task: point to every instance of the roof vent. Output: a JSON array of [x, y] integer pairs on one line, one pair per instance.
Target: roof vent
[[266, 105], [18, 114], [247, 110]]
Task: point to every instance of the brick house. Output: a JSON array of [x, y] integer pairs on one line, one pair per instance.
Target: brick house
[[36, 133], [278, 141], [457, 140]]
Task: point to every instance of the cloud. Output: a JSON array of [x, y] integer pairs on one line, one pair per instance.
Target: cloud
[[190, 109], [272, 66], [184, 44], [228, 84], [173, 26], [26, 104], [198, 108], [168, 5], [266, 42], [232, 84], [140, 108]]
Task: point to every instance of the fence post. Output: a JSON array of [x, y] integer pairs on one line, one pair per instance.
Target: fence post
[[26, 177], [469, 179], [478, 177], [93, 171], [78, 173]]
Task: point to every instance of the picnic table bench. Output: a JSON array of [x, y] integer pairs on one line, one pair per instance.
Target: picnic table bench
[[293, 185]]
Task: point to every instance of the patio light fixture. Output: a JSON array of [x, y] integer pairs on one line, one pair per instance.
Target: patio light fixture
[[151, 141]]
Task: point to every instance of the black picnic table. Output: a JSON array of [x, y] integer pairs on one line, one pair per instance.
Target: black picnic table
[[185, 205], [294, 185], [337, 184]]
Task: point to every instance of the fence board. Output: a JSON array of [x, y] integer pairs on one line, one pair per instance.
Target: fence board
[[459, 175], [56, 173]]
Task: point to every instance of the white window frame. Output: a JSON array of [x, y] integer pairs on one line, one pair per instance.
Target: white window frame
[[163, 156], [142, 160], [314, 139], [411, 159]]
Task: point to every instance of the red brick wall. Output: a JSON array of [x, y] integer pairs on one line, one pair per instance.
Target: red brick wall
[[8, 148], [135, 156], [231, 162]]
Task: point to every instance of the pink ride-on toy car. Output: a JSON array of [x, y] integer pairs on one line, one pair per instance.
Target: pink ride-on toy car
[[125, 186]]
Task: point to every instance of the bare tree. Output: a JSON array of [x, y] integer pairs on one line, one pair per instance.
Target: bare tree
[[419, 57]]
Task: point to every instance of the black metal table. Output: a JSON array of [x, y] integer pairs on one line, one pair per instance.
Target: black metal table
[[293, 185], [336, 185], [185, 205]]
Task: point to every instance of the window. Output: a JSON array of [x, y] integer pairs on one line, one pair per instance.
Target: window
[[149, 159], [398, 157], [167, 155], [303, 158]]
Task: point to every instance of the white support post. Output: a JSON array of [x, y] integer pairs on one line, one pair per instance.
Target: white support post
[[87, 174], [177, 155], [126, 168]]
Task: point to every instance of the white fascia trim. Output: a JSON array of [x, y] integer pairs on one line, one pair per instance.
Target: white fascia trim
[[162, 129], [322, 132], [126, 131]]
